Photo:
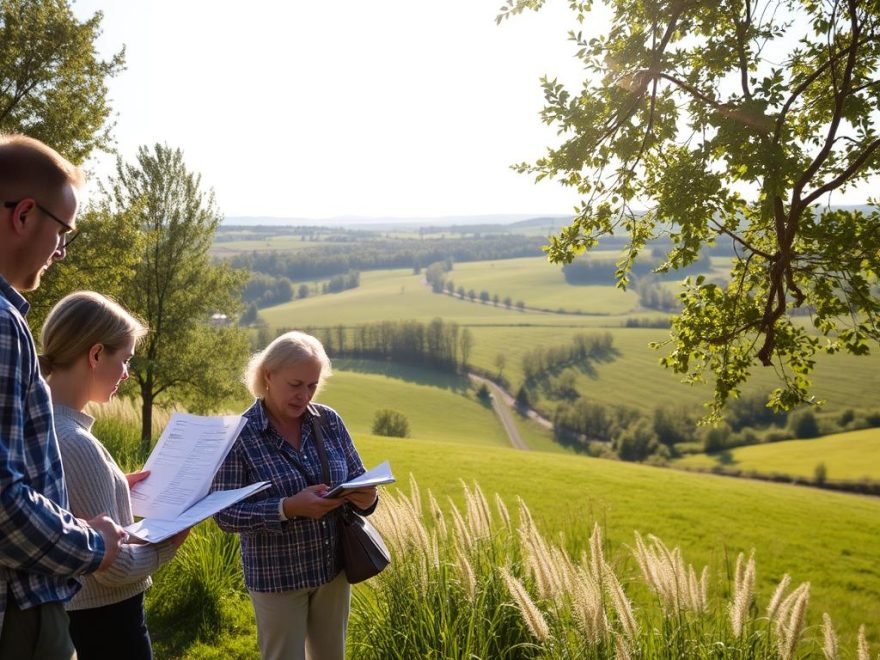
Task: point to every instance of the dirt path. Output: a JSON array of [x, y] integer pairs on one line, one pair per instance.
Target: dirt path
[[502, 404]]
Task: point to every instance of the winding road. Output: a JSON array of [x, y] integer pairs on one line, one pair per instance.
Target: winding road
[[502, 404]]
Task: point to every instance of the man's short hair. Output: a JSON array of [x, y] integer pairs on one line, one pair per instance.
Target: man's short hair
[[29, 167]]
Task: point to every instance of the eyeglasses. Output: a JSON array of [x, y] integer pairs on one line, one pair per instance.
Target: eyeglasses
[[67, 237]]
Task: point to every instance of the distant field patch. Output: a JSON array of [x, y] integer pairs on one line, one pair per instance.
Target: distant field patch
[[436, 410], [852, 456], [540, 284]]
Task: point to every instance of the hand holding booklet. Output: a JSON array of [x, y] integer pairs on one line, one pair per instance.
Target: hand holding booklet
[[182, 466], [379, 475]]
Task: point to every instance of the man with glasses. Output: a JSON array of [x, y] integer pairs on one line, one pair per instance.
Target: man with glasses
[[42, 545]]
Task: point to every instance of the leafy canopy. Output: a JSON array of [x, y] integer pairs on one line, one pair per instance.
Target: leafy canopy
[[176, 288], [52, 82], [733, 120]]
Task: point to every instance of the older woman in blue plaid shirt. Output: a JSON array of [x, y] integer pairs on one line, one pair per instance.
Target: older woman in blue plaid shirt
[[289, 532]]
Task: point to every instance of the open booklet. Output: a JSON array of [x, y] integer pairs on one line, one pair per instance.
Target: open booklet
[[379, 475], [182, 466]]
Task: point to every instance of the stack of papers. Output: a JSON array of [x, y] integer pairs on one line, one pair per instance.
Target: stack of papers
[[182, 466], [381, 474]]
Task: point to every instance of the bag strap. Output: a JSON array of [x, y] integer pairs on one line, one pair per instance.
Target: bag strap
[[319, 444]]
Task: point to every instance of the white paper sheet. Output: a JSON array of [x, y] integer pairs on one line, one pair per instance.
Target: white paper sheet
[[183, 464], [154, 530]]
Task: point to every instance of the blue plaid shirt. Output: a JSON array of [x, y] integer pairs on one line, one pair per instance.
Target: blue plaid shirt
[[42, 545], [284, 555]]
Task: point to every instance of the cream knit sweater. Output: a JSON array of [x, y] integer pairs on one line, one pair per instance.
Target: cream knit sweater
[[96, 485]]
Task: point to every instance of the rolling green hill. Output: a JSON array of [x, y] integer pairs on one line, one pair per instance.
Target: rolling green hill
[[826, 538], [437, 406], [852, 456], [634, 378]]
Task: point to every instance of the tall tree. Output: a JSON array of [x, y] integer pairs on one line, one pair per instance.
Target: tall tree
[[52, 82], [731, 120], [177, 289]]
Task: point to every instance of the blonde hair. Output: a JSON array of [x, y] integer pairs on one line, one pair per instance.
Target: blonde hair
[[29, 167], [286, 350], [78, 322]]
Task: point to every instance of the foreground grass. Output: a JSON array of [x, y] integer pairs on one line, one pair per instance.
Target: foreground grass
[[828, 539], [853, 456], [482, 581]]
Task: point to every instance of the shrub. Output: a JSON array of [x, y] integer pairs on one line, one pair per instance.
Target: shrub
[[820, 474], [804, 425], [390, 423]]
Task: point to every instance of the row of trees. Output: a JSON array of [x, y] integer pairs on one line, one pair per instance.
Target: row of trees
[[584, 347], [440, 344]]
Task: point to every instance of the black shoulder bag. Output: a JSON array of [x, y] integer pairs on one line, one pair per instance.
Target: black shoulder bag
[[363, 551]]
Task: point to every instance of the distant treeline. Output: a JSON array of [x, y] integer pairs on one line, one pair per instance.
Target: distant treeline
[[329, 260], [264, 290], [439, 344], [591, 270]]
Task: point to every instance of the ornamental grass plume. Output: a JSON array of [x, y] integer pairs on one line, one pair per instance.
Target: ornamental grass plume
[[789, 630], [829, 648], [621, 604], [539, 563], [535, 621], [461, 529], [415, 496], [776, 599], [620, 650], [863, 652], [743, 593], [502, 511], [597, 555], [588, 608], [466, 571], [437, 516], [666, 574]]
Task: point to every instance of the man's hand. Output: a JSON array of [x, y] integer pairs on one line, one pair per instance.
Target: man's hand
[[309, 503], [133, 477], [113, 536]]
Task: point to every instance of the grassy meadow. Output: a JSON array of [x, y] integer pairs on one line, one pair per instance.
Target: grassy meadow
[[847, 457]]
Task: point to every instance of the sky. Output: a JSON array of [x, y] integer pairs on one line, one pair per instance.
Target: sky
[[320, 109], [323, 109]]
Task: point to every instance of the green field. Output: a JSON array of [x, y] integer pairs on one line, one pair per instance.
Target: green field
[[437, 407], [826, 538], [853, 456], [541, 284]]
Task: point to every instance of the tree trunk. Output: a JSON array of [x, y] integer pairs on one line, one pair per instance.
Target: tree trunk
[[146, 417]]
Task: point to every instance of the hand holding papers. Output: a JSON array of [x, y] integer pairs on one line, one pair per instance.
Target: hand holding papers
[[379, 475], [182, 467]]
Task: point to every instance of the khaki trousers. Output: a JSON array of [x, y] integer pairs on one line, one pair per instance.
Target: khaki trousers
[[37, 633], [303, 624]]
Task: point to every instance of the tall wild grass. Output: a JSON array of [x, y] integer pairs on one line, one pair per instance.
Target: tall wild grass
[[479, 582]]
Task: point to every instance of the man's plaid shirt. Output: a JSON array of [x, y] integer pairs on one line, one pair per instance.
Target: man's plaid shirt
[[284, 555], [42, 545]]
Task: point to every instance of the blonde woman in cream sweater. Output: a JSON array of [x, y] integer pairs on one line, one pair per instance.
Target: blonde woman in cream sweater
[[87, 342]]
